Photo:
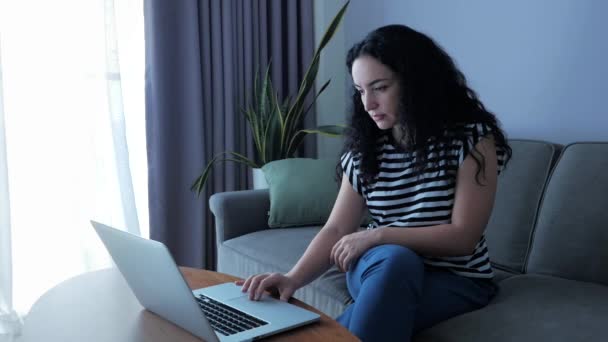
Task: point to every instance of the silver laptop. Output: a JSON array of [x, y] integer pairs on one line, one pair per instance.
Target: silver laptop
[[216, 313]]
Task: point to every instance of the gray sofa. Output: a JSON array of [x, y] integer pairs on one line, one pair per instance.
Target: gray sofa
[[548, 240]]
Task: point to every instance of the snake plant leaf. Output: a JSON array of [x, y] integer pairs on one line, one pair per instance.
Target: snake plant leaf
[[200, 182], [310, 75], [271, 150], [326, 130], [256, 81], [254, 126], [261, 114], [316, 96], [242, 159], [295, 141], [266, 91], [280, 108], [295, 113], [273, 147], [329, 33], [307, 82], [283, 109]]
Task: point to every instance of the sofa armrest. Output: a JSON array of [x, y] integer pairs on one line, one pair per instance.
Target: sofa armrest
[[239, 212]]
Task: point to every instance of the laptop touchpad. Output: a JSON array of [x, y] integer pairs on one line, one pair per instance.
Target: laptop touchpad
[[226, 291]]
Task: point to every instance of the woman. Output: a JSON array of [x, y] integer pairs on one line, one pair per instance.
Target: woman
[[423, 157]]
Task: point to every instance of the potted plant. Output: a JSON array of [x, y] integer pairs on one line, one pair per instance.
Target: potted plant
[[275, 124]]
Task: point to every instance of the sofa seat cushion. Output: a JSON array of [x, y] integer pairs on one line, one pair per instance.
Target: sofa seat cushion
[[532, 308], [277, 250], [501, 274]]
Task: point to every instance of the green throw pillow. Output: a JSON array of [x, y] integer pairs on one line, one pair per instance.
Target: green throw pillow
[[302, 191]]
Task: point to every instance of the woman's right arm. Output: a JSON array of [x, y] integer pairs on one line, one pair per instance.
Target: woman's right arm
[[344, 219]]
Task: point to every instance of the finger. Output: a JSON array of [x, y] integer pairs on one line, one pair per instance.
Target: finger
[[343, 259], [346, 262], [343, 263], [332, 254], [239, 282], [338, 253], [248, 281], [338, 259], [253, 288], [286, 294], [264, 284], [246, 284]]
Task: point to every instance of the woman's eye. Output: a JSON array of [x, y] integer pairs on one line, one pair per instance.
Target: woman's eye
[[380, 88]]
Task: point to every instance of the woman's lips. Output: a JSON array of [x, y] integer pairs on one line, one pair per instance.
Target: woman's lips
[[378, 117]]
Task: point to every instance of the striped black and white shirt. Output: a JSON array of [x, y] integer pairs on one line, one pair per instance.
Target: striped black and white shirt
[[398, 198]]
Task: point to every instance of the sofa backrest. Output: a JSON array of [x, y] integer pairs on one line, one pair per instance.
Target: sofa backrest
[[571, 235], [520, 188]]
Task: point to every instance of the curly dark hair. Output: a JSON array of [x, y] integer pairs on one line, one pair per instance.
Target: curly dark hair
[[435, 101]]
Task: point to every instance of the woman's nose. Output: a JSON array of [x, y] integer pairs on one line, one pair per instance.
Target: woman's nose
[[369, 102]]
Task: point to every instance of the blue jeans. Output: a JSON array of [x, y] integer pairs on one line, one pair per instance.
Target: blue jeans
[[396, 295]]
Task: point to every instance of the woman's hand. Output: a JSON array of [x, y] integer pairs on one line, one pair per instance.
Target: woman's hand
[[350, 247], [257, 284]]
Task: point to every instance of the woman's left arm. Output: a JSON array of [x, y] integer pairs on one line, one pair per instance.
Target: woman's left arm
[[473, 205]]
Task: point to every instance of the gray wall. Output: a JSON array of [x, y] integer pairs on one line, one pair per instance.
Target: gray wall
[[540, 66], [330, 106]]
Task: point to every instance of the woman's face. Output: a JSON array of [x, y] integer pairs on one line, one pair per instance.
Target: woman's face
[[379, 89]]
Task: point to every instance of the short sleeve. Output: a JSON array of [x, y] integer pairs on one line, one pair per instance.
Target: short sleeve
[[350, 167], [473, 133]]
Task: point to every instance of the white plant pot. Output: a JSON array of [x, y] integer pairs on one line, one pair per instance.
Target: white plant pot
[[259, 181]]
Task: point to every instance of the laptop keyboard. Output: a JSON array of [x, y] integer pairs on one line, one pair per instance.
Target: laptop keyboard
[[226, 319]]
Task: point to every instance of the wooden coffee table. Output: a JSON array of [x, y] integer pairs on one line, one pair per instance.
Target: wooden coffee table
[[99, 306]]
